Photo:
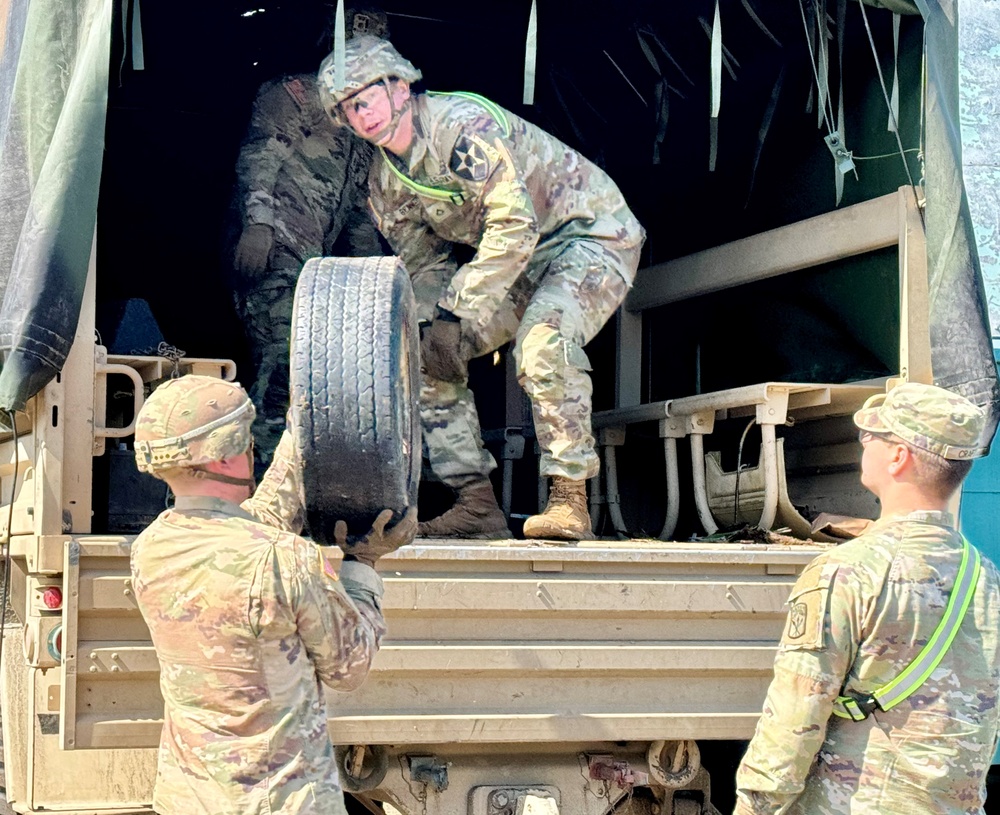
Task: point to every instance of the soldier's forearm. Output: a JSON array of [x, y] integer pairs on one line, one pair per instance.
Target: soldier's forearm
[[277, 502]]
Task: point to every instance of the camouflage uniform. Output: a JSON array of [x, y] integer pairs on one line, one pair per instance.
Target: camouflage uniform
[[248, 619], [305, 178], [859, 615], [557, 250]]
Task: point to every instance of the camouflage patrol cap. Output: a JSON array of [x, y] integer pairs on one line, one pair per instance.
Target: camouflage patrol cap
[[926, 417], [190, 421], [367, 59]]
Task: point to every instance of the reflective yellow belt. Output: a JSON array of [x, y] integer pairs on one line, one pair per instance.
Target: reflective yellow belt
[[438, 193], [858, 706]]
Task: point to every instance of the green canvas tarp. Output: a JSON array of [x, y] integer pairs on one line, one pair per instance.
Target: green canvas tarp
[[53, 106]]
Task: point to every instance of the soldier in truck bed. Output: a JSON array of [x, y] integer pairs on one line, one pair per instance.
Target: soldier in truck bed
[[556, 252], [301, 192]]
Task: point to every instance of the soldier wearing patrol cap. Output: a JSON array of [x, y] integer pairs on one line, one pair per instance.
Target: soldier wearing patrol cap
[[301, 192], [247, 618], [556, 252], [884, 697]]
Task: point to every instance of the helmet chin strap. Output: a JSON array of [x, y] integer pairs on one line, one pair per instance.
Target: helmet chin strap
[[397, 114], [209, 475]]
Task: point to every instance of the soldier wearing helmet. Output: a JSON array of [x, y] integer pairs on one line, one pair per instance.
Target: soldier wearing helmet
[[247, 618], [556, 252], [884, 697], [301, 192]]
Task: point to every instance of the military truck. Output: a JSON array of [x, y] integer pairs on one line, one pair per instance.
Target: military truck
[[798, 169]]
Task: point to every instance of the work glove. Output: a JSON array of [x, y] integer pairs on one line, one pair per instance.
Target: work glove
[[441, 353], [379, 540], [254, 249]]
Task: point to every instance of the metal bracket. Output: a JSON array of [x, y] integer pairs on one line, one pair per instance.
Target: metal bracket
[[701, 423], [429, 770]]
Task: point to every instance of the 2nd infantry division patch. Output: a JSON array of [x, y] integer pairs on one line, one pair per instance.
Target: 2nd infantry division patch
[[468, 160]]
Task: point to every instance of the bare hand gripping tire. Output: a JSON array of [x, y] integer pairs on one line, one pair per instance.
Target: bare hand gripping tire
[[354, 382]]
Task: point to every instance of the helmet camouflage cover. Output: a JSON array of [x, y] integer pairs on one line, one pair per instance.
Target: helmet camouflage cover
[[367, 59], [190, 421], [925, 416]]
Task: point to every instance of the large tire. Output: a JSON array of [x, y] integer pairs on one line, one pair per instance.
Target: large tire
[[354, 383]]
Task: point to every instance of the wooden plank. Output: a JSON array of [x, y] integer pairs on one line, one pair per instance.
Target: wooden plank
[[854, 230]]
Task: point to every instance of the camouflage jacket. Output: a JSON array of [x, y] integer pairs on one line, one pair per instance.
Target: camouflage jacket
[[517, 195], [859, 615], [292, 149], [248, 619]]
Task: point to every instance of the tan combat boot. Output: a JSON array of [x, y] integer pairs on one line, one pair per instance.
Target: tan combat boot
[[475, 514], [565, 516]]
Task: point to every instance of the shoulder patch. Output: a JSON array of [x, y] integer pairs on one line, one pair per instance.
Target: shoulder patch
[[297, 90], [469, 161], [326, 566], [805, 626]]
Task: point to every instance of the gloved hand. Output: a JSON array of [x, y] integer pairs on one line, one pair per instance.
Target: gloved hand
[[253, 249], [379, 540], [441, 350]]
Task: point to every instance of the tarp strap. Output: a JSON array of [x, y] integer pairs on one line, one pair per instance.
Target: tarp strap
[[894, 96], [859, 706], [843, 161], [138, 53], [839, 173], [716, 68], [339, 47], [661, 96], [439, 193], [531, 55], [892, 114]]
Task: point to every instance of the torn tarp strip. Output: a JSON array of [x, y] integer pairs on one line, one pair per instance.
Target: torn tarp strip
[[531, 55]]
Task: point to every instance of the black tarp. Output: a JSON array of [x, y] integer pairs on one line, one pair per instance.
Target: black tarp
[[53, 96], [53, 106]]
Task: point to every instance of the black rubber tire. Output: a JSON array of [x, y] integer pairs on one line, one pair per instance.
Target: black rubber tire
[[374, 767], [354, 381]]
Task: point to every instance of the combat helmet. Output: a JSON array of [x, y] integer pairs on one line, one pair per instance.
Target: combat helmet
[[191, 421], [367, 60]]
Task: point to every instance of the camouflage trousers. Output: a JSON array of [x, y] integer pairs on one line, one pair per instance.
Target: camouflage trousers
[[266, 313], [578, 292], [265, 307]]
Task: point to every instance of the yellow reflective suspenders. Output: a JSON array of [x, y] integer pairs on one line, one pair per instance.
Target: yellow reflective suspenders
[[859, 706], [437, 193]]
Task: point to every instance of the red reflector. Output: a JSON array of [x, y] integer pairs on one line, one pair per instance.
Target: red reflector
[[52, 597]]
